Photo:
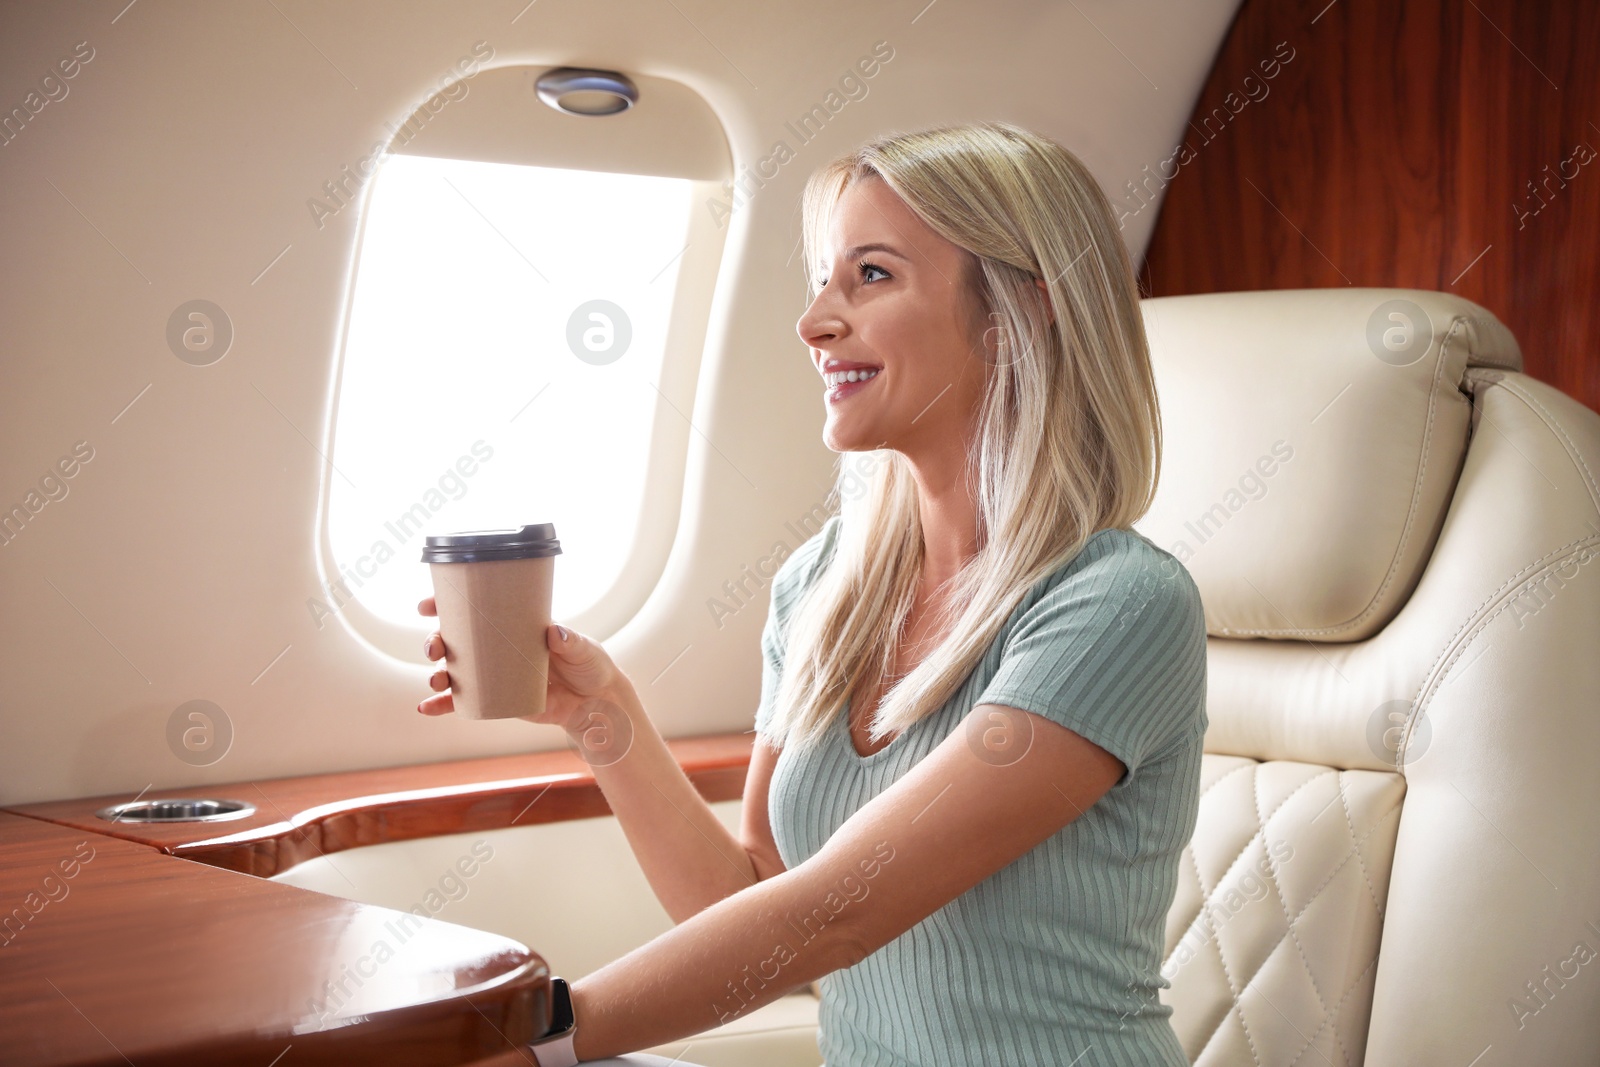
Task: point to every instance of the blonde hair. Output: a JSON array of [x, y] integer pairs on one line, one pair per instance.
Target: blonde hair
[[1068, 438]]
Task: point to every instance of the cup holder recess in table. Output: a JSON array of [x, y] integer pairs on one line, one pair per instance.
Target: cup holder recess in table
[[181, 809]]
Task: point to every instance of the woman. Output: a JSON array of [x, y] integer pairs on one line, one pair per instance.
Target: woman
[[983, 699]]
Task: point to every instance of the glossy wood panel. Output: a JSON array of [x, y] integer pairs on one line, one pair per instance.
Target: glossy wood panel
[[297, 819], [112, 953], [1431, 144]]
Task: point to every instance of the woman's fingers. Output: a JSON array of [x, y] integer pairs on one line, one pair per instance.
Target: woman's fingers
[[437, 705], [584, 663], [433, 647]]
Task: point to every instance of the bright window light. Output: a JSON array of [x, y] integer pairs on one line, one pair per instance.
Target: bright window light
[[506, 332]]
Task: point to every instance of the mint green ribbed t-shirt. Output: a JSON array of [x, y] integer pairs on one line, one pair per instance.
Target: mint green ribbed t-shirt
[[1054, 959]]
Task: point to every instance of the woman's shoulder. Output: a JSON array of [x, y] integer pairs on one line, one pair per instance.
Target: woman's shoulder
[[1112, 645], [1126, 551], [1117, 565]]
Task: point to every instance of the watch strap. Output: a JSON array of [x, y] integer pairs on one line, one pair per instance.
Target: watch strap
[[555, 1048], [555, 1051]]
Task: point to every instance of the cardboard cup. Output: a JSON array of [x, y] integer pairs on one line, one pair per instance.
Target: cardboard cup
[[493, 614]]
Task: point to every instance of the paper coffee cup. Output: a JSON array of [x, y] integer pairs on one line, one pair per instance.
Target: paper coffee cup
[[493, 589]]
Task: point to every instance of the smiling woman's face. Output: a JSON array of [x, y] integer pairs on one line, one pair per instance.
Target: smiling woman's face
[[903, 307]]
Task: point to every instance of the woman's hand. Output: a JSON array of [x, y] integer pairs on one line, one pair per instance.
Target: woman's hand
[[582, 677]]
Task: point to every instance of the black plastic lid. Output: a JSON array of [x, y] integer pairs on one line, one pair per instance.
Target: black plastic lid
[[478, 545]]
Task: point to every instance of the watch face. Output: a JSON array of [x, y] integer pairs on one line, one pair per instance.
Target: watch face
[[560, 1006]]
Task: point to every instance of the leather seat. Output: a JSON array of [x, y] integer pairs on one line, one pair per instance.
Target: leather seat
[[1395, 533]]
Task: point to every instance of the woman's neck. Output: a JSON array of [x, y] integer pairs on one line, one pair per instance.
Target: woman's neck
[[949, 516]]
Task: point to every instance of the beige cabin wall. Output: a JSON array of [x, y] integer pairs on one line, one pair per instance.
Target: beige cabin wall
[[178, 165]]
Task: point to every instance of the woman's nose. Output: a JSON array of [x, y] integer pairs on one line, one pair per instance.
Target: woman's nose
[[818, 325]]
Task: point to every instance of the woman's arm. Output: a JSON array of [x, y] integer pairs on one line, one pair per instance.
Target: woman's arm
[[689, 857], [954, 819]]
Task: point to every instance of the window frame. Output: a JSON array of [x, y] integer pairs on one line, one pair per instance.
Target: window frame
[[667, 450]]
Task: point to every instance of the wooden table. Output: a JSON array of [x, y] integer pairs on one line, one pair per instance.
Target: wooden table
[[153, 943]]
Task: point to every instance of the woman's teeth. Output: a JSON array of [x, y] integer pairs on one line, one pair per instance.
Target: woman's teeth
[[840, 377]]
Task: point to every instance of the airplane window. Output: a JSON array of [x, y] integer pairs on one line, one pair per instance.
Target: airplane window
[[506, 333]]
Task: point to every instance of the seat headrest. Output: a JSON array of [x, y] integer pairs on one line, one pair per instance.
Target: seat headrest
[[1311, 443]]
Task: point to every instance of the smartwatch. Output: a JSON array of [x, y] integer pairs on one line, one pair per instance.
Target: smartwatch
[[554, 1049]]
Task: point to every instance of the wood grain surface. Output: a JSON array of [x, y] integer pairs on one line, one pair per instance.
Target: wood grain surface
[[1423, 144], [297, 819], [111, 953]]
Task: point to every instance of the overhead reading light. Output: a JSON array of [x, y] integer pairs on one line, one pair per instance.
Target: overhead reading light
[[579, 91]]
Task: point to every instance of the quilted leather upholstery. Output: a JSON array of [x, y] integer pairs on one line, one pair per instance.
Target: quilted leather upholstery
[[1272, 940]]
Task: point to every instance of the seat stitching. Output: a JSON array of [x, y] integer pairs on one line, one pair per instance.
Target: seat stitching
[[1215, 942], [1194, 861], [1448, 658], [1554, 426], [1261, 827], [1340, 866], [1337, 868], [1226, 776], [1421, 476], [1288, 797], [1327, 1012], [1233, 989], [1332, 1018], [1490, 597], [1206, 894], [1238, 1008], [1201, 915], [1272, 876], [1350, 824], [1232, 1009]]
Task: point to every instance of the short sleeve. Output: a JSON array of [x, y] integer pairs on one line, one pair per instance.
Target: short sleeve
[[1114, 649], [789, 584]]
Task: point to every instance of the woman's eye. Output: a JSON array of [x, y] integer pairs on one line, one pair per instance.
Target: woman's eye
[[861, 269]]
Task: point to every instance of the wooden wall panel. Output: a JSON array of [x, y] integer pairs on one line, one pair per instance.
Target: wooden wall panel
[[1435, 144]]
